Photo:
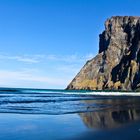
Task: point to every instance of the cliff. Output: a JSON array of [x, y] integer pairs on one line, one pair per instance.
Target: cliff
[[117, 65]]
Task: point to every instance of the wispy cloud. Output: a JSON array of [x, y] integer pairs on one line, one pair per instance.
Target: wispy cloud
[[69, 58], [24, 58], [53, 71], [18, 78], [69, 69], [73, 58]]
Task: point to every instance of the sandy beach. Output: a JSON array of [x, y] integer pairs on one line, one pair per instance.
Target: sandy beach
[[60, 127]]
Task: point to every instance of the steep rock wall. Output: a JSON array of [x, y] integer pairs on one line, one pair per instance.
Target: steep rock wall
[[117, 66]]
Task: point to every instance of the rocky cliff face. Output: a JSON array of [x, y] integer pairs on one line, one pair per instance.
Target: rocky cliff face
[[117, 66]]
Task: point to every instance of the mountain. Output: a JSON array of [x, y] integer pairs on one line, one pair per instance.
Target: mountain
[[117, 65]]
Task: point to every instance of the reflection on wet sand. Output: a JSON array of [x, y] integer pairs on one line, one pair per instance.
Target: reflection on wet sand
[[117, 113]]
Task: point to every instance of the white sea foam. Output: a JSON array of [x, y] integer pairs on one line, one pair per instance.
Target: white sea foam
[[115, 93], [99, 93], [106, 93]]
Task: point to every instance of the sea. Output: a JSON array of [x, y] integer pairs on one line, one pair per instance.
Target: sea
[[51, 114]]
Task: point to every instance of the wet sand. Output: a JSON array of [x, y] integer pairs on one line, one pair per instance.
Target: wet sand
[[64, 127]]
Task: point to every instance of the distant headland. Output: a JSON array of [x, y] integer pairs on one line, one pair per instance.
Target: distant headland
[[117, 65]]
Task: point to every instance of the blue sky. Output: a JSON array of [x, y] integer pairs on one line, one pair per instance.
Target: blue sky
[[44, 43]]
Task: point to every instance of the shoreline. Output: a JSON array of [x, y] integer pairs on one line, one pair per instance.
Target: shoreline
[[115, 93], [61, 127]]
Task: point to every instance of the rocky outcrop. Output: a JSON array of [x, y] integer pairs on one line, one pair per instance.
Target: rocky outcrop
[[117, 66]]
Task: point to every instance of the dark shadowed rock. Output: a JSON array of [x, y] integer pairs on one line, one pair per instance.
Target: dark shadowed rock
[[120, 113], [117, 66]]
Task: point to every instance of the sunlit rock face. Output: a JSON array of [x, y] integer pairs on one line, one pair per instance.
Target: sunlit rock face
[[117, 66], [118, 114]]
